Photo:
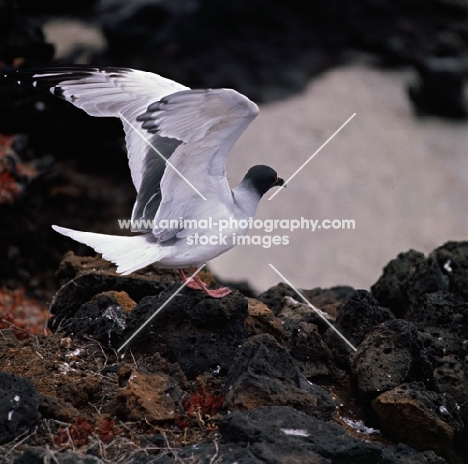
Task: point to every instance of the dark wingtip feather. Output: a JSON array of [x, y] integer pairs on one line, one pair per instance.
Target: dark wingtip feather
[[50, 78]]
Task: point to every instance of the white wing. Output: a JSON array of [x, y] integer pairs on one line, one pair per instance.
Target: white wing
[[207, 123], [108, 92], [193, 129]]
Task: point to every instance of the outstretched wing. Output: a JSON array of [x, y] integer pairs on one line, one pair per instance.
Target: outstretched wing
[[123, 93], [163, 120], [118, 92], [207, 123]]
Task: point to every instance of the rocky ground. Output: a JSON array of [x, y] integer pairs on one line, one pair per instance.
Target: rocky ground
[[55, 162], [243, 379]]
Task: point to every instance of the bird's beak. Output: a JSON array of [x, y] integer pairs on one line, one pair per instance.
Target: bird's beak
[[279, 183]]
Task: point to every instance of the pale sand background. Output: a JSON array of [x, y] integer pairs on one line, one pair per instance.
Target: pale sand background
[[403, 180]]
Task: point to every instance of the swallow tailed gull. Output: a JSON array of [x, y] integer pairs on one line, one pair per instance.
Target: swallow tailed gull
[[178, 141]]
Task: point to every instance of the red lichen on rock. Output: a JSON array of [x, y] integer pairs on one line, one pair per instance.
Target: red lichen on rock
[[199, 406], [78, 433]]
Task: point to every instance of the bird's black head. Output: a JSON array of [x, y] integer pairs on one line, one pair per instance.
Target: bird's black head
[[262, 178]]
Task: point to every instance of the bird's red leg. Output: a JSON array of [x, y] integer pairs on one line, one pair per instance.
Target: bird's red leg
[[193, 285], [197, 284]]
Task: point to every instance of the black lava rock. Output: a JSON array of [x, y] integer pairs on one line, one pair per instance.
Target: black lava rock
[[312, 356], [274, 297], [206, 453], [19, 405], [442, 322], [355, 319], [453, 261], [282, 434], [201, 334], [264, 374], [423, 419], [87, 277], [440, 310], [390, 354], [103, 318], [359, 315], [34, 456], [407, 278]]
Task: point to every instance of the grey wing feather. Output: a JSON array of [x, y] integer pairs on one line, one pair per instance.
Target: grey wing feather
[[111, 91], [163, 120], [208, 123]]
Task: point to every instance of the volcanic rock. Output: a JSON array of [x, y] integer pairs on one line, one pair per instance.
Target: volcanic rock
[[281, 434], [312, 356], [201, 334], [418, 417], [264, 374], [152, 397], [355, 319], [19, 406], [407, 278], [262, 320], [86, 277], [390, 354]]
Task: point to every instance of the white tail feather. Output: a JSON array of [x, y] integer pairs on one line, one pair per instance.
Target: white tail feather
[[128, 253]]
